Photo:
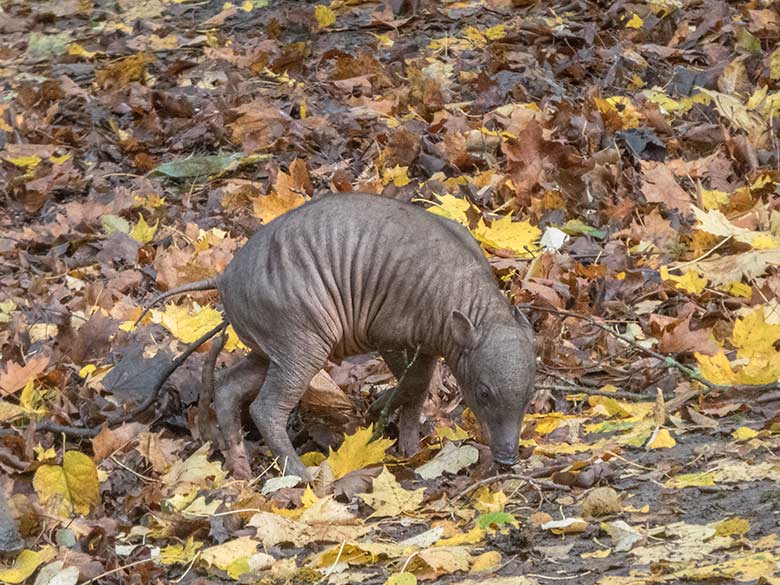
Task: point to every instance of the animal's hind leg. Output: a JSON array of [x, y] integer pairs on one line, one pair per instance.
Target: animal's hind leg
[[283, 388], [237, 386]]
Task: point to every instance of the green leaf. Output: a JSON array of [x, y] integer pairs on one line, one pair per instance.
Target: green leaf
[[496, 520], [200, 166], [113, 223]]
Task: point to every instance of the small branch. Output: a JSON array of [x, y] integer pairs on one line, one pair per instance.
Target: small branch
[[593, 392], [90, 432], [668, 360]]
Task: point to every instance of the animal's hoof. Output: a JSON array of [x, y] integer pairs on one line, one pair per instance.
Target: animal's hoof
[[238, 462]]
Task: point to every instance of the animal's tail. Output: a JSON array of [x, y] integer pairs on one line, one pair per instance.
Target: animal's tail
[[207, 284]]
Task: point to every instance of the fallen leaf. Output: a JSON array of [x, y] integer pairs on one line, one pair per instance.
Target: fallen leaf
[[450, 459], [357, 451], [388, 498], [68, 489]]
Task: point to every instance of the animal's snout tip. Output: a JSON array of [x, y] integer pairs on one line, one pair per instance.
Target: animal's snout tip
[[508, 461]]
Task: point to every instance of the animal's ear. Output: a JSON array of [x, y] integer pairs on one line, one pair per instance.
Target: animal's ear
[[464, 330], [519, 316]]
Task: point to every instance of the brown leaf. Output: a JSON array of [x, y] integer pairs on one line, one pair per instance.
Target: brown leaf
[[16, 376], [660, 186], [159, 451], [109, 441]]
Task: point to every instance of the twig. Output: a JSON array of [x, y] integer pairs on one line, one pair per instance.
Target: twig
[[116, 570], [668, 360], [592, 392], [90, 432], [703, 256]]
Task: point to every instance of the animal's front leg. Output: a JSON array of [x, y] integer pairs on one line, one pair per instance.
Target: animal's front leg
[[410, 394], [282, 390]]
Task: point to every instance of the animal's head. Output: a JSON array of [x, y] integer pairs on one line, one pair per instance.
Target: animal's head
[[496, 374]]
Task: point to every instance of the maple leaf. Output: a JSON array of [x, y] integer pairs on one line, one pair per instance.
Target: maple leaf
[[324, 15], [519, 237], [357, 451], [715, 223], [691, 282], [196, 470], [190, 323], [388, 498], [143, 232]]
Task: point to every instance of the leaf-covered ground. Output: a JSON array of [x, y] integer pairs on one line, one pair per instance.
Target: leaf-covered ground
[[619, 163]]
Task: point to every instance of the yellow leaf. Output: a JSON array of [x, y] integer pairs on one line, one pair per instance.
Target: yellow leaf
[[10, 411], [324, 15], [716, 368], [312, 458], [78, 51], [691, 480], [473, 536], [195, 471], [32, 399], [44, 454], [744, 433], [142, 231], [225, 554], [180, 554], [402, 579], [363, 553], [621, 107], [611, 407], [738, 289], [487, 501], [398, 175], [71, 488], [489, 561], [732, 527], [28, 163], [149, 201], [661, 440], [715, 223], [519, 237], [357, 451], [189, 323], [454, 208], [635, 22], [713, 198], [774, 65], [496, 33], [269, 207], [384, 41], [748, 568], [754, 336], [596, 554], [247, 6], [388, 498], [25, 565], [690, 282], [447, 432]]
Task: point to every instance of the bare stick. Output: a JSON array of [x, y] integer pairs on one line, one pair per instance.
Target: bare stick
[[48, 425], [668, 360]]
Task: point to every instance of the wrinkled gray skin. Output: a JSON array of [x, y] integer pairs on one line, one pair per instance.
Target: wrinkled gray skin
[[10, 541], [347, 274]]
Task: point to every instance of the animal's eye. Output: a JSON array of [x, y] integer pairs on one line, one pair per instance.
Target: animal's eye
[[484, 392]]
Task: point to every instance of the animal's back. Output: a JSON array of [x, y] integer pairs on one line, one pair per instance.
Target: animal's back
[[350, 273]]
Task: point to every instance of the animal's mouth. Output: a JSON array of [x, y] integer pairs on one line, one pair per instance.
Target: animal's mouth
[[504, 460]]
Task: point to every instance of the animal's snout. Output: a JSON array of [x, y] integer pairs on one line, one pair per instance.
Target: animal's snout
[[505, 459]]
